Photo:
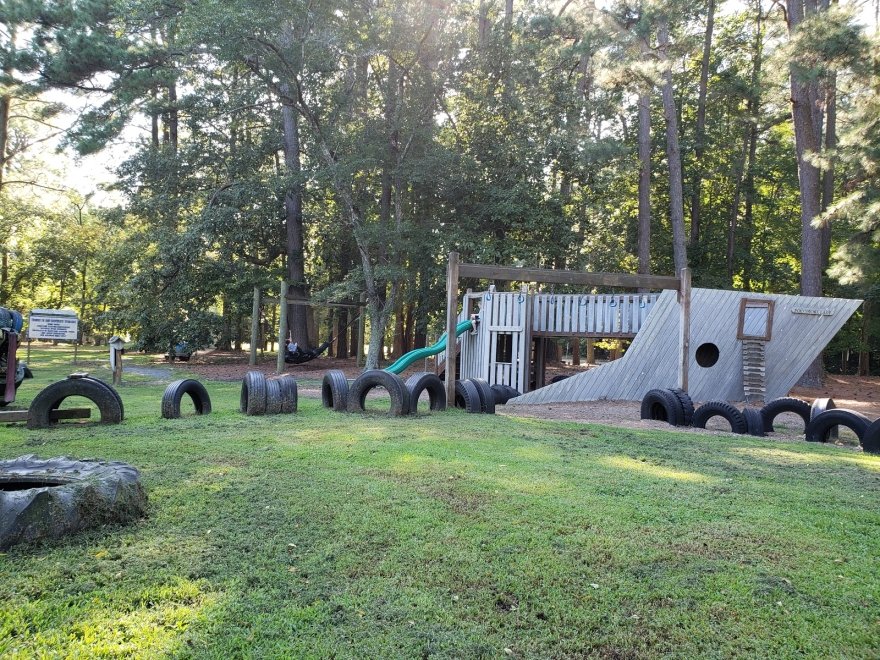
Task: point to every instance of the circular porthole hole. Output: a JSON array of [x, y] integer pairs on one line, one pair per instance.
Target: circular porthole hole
[[707, 354]]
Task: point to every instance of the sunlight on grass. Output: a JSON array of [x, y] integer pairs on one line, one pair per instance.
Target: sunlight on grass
[[627, 463], [783, 456], [146, 623]]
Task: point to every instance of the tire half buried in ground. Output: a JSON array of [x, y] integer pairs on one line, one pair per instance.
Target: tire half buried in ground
[[426, 382], [173, 396], [50, 498], [334, 390], [392, 383], [723, 409], [51, 397]]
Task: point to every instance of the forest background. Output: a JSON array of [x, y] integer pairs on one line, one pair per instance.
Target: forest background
[[347, 147]]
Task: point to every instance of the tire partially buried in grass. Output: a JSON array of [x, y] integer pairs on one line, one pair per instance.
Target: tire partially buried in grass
[[273, 397], [430, 383], [334, 390], [392, 383], [467, 396], [50, 398], [289, 395], [821, 428], [754, 421], [662, 405], [871, 438], [253, 393], [487, 398], [173, 396], [723, 409], [50, 498], [785, 404], [687, 405]]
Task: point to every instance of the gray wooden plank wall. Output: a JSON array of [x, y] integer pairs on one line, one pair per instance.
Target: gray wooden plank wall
[[652, 359]]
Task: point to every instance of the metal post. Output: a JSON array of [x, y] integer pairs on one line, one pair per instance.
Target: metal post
[[451, 318], [255, 326], [282, 329], [684, 299], [362, 330]]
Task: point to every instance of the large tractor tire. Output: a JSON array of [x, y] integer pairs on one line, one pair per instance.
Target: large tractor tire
[[50, 498]]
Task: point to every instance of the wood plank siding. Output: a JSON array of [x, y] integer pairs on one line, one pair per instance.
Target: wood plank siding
[[802, 327]]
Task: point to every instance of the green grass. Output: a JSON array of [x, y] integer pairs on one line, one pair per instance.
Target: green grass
[[452, 535]]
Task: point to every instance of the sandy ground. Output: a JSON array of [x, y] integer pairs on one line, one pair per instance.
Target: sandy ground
[[857, 393]]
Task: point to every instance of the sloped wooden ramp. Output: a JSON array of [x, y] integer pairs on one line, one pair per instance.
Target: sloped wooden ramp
[[801, 328]]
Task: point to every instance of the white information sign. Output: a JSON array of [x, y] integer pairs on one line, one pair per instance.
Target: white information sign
[[53, 324]]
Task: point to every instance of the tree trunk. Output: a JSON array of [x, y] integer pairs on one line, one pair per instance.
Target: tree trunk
[[673, 154], [803, 93], [644, 140], [699, 146], [644, 231], [864, 348], [828, 172], [754, 109], [297, 315]]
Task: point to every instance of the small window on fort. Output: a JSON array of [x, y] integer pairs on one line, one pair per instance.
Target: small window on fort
[[504, 347], [755, 319]]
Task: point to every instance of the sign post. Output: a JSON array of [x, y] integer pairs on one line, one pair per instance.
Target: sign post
[[54, 325]]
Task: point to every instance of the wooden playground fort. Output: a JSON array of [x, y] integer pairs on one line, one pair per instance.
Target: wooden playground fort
[[715, 344]]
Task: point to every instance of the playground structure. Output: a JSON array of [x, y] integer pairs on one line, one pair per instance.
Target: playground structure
[[714, 344]]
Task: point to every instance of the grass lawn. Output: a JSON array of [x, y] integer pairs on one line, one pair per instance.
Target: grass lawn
[[331, 535]]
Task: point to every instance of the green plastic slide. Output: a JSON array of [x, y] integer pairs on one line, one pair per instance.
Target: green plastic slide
[[421, 353]]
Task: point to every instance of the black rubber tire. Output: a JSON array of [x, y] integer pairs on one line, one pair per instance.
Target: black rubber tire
[[754, 421], [50, 498], [820, 427], [334, 391], [467, 396], [819, 406], [662, 405], [174, 394], [27, 372], [783, 405], [559, 378], [426, 382], [871, 438], [487, 398], [723, 409], [273, 397], [253, 393], [502, 396], [687, 405], [392, 383], [512, 391], [289, 394], [106, 386], [50, 398]]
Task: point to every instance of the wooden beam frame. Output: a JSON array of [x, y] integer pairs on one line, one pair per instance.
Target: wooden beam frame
[[548, 276], [456, 270]]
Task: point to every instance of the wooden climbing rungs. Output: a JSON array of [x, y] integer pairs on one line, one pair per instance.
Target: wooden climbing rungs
[[55, 415]]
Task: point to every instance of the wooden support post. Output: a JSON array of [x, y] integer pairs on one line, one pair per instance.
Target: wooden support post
[[684, 299], [362, 331], [282, 329], [528, 322], [255, 327], [117, 367], [451, 318]]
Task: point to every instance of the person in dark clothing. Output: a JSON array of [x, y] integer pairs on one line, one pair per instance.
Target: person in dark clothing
[[296, 355]]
